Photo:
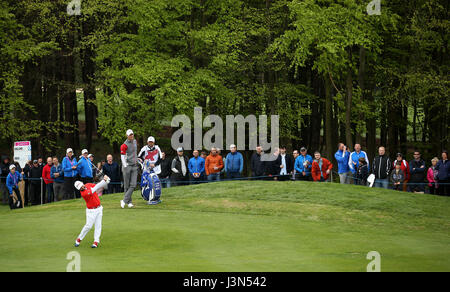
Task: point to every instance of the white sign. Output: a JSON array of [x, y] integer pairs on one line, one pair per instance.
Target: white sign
[[22, 152]]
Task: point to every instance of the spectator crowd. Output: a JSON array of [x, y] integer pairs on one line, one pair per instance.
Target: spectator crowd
[[52, 180]]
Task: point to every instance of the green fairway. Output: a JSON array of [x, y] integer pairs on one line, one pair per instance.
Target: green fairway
[[238, 226]]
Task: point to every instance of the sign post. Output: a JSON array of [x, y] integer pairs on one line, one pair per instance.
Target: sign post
[[22, 154]]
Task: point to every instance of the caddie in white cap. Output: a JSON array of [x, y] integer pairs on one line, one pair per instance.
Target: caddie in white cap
[[69, 150], [151, 153], [94, 209], [12, 183]]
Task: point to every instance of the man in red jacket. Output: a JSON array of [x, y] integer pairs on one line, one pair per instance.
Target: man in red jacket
[[94, 210], [321, 168], [46, 170]]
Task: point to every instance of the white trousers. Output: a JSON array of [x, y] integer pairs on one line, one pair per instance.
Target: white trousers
[[93, 216]]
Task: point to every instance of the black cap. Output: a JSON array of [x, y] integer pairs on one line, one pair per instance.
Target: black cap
[[399, 154], [302, 149]]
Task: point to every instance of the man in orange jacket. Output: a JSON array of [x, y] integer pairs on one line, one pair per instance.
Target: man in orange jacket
[[213, 165], [321, 168]]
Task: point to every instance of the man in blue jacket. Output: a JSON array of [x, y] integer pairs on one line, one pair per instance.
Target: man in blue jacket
[[69, 165], [196, 168], [342, 156], [12, 183], [84, 167], [234, 163], [443, 168], [303, 164], [353, 162], [57, 174]]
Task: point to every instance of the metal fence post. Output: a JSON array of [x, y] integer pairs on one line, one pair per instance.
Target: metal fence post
[[42, 195]]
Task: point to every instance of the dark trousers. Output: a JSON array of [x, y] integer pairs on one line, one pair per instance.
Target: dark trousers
[[300, 176], [69, 187], [50, 194], [113, 188], [196, 180], [432, 189], [444, 187], [11, 201], [284, 177], [87, 180], [233, 175], [180, 181], [35, 193]]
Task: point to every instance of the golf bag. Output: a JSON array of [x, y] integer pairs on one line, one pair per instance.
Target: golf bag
[[150, 185]]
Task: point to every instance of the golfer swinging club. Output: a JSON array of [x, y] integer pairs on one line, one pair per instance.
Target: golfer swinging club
[[94, 211]]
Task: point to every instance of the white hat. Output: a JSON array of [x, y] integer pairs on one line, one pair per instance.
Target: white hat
[[69, 150], [78, 185], [84, 151], [232, 146], [91, 155], [151, 139], [180, 149], [129, 132], [12, 166]]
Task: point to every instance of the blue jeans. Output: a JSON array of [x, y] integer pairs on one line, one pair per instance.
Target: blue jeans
[[214, 177], [50, 197], [165, 182], [233, 175], [381, 183]]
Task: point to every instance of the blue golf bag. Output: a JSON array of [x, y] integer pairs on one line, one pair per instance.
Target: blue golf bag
[[151, 187]]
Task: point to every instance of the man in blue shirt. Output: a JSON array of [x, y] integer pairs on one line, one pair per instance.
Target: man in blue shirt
[[342, 156], [234, 163], [353, 162], [303, 164], [57, 174], [69, 165], [12, 183], [196, 168], [84, 167]]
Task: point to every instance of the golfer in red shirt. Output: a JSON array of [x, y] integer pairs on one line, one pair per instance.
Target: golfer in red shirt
[[94, 211]]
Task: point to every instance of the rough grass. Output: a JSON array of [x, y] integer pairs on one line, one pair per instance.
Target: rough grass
[[238, 226]]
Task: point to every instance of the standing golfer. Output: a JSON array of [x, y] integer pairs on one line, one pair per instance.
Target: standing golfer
[[128, 152], [94, 211]]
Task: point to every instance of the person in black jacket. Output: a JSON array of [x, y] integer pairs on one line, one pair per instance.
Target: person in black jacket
[[112, 170], [381, 168], [257, 164], [26, 171], [271, 166], [35, 183], [362, 172], [4, 171], [418, 173], [180, 170], [285, 164], [166, 171]]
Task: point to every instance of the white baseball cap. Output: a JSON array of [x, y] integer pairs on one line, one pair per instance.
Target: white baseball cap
[[151, 139], [91, 155], [180, 149], [12, 166], [232, 146], [78, 185], [84, 151], [129, 132], [69, 150]]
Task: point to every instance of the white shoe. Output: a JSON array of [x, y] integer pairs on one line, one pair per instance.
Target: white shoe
[[130, 205], [122, 204]]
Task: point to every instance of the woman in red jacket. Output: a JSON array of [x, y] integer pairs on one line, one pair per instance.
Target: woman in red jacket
[[405, 169], [321, 168]]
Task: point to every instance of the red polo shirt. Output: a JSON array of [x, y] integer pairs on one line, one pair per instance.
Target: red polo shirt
[[91, 198], [46, 174]]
